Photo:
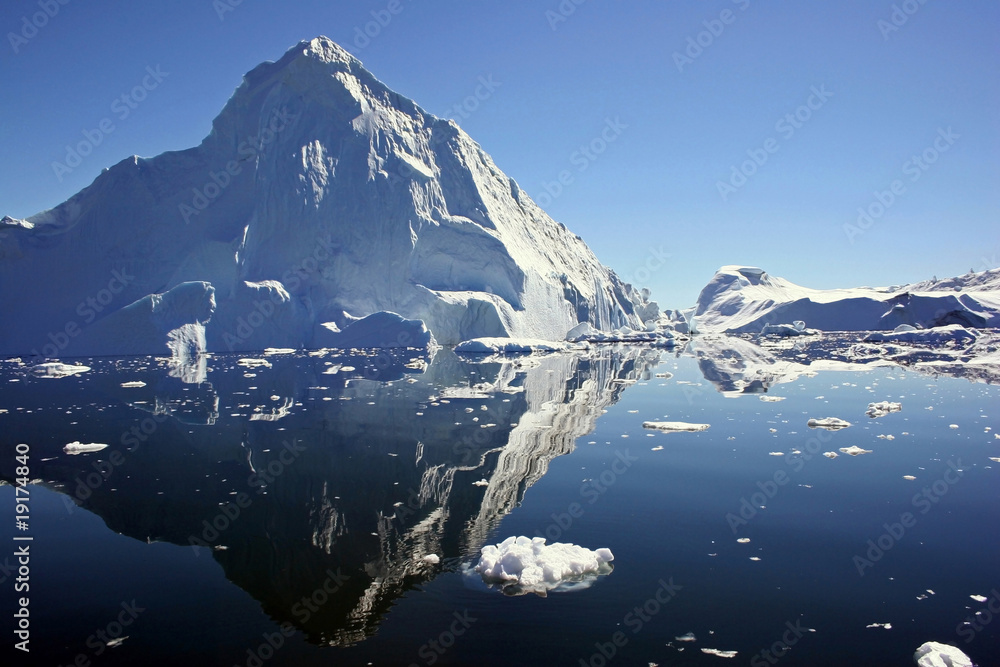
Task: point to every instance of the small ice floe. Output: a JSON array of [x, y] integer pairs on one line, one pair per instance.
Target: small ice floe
[[433, 559], [755, 559], [829, 423], [77, 447], [57, 370], [934, 654], [721, 654], [675, 427], [887, 626], [271, 351], [658, 448], [854, 450], [883, 436], [522, 565], [743, 540], [909, 477], [830, 455], [995, 459], [254, 363], [481, 482], [952, 425], [771, 399], [116, 642], [687, 637], [978, 598], [881, 409], [133, 385], [775, 453], [772, 430], [664, 376]]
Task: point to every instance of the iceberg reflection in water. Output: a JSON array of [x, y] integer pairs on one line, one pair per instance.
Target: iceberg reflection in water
[[346, 494]]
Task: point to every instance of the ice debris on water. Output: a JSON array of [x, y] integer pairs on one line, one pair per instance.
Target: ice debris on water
[[854, 450], [935, 654], [829, 423], [881, 409], [673, 427], [522, 565], [77, 447], [721, 654]]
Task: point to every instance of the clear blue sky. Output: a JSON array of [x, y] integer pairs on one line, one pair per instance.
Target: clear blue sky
[[656, 185]]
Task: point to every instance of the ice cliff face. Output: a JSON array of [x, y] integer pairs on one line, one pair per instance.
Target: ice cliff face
[[741, 299], [320, 196]]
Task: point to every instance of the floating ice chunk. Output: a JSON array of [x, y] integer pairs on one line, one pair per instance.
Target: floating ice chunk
[[522, 565], [675, 426], [433, 559], [481, 482], [830, 455], [133, 385], [978, 598], [721, 654], [664, 376], [952, 425], [854, 450], [796, 328], [887, 626], [75, 448], [775, 453], [829, 423], [883, 408], [934, 654], [508, 346], [994, 458], [57, 370], [271, 351], [687, 637], [909, 477], [771, 399], [743, 540], [254, 363]]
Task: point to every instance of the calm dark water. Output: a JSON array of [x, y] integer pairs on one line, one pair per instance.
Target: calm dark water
[[278, 514]]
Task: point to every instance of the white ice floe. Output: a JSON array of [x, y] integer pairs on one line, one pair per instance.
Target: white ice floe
[[979, 598], [854, 450], [829, 423], [881, 409], [830, 455], [433, 559], [671, 427], [934, 654], [522, 565], [885, 626], [133, 385], [75, 448], [509, 346], [797, 328], [57, 370], [721, 654], [771, 399], [687, 637]]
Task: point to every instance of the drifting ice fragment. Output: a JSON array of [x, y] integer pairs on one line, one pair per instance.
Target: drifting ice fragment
[[883, 408], [133, 385], [433, 559], [829, 423], [522, 565], [57, 370], [721, 654], [688, 637], [75, 448], [934, 654], [854, 450], [675, 426], [887, 626], [978, 598]]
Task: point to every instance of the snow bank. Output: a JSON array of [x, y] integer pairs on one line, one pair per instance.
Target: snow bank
[[743, 299], [522, 565], [881, 409], [934, 654]]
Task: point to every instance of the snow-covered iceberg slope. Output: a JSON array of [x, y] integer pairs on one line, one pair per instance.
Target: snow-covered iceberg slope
[[320, 196], [742, 299]]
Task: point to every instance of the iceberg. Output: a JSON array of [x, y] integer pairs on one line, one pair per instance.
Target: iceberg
[[744, 299], [521, 565], [828, 423], [320, 198], [934, 654], [882, 408]]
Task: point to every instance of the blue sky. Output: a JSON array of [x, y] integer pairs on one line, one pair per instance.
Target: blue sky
[[871, 89]]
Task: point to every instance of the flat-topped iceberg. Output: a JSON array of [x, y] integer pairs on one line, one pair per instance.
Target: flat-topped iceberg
[[521, 565]]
